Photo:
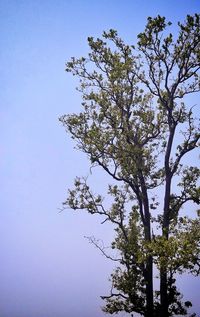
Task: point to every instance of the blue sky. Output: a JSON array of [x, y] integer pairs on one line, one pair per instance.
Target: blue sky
[[47, 267]]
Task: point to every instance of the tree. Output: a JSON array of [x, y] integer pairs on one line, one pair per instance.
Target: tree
[[137, 127]]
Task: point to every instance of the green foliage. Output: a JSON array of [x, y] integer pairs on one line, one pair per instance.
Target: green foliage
[[133, 111]]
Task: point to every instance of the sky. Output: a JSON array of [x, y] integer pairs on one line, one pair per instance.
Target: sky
[[48, 268]]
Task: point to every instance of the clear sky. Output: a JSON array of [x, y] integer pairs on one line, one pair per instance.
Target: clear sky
[[47, 268]]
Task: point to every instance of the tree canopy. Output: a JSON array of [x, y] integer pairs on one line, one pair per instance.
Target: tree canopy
[[138, 125]]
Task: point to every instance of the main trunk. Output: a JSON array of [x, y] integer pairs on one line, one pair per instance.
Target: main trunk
[[148, 274], [164, 309], [163, 293], [149, 288]]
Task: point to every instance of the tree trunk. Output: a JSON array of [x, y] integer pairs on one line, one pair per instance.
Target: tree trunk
[[149, 288], [149, 265], [149, 277], [164, 309], [163, 293]]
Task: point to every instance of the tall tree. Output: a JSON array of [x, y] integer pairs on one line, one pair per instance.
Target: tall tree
[[137, 127]]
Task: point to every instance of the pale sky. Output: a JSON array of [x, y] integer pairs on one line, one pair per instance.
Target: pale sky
[[47, 267]]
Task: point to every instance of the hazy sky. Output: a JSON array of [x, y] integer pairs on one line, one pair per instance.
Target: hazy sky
[[47, 268]]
